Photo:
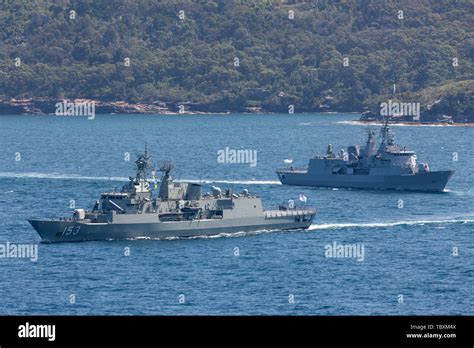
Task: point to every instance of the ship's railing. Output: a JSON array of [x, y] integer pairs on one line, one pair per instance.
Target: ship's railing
[[293, 169], [273, 214]]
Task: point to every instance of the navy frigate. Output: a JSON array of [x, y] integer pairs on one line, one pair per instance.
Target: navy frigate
[[179, 209], [384, 167]]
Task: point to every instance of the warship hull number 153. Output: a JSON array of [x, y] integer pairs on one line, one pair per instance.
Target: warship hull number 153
[[179, 210]]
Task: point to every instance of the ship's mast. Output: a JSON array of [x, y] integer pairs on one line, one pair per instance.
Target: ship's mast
[[387, 136], [142, 164], [370, 144], [166, 178]]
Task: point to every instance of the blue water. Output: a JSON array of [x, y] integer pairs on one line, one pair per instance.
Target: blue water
[[408, 251]]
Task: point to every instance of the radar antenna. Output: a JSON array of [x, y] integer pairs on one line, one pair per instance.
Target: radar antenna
[[143, 164], [165, 166], [370, 134]]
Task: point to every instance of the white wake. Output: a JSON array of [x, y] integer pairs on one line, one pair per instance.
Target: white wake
[[362, 123], [386, 224], [58, 176]]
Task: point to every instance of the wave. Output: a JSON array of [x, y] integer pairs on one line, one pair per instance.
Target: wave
[[235, 234], [34, 175], [212, 236], [57, 176], [387, 224], [362, 123]]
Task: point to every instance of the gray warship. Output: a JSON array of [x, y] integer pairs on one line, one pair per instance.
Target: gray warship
[[384, 167], [179, 210]]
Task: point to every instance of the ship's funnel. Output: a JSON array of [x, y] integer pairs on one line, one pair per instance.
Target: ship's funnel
[[193, 192], [353, 152]]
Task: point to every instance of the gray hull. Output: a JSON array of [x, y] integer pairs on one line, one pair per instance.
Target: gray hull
[[75, 231], [424, 181]]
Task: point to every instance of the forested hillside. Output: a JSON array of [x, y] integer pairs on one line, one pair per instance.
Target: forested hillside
[[230, 55]]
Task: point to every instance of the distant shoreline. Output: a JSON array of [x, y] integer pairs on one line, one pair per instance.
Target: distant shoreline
[[188, 113], [192, 113], [349, 122], [48, 106]]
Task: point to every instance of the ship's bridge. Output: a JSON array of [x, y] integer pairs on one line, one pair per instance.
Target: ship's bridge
[[397, 160], [396, 150]]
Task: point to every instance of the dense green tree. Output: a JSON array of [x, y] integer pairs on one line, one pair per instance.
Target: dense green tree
[[230, 54]]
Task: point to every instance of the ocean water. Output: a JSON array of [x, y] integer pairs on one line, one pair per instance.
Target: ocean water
[[418, 259]]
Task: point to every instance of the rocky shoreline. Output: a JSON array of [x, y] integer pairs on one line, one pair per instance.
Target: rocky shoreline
[[48, 106], [43, 106], [425, 118]]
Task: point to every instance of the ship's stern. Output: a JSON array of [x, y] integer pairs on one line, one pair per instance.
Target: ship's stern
[[292, 176], [290, 219]]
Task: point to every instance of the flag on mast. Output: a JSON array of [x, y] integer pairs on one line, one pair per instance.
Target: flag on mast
[[303, 198], [155, 180]]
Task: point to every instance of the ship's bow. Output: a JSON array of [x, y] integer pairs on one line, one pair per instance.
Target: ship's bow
[[48, 230]]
